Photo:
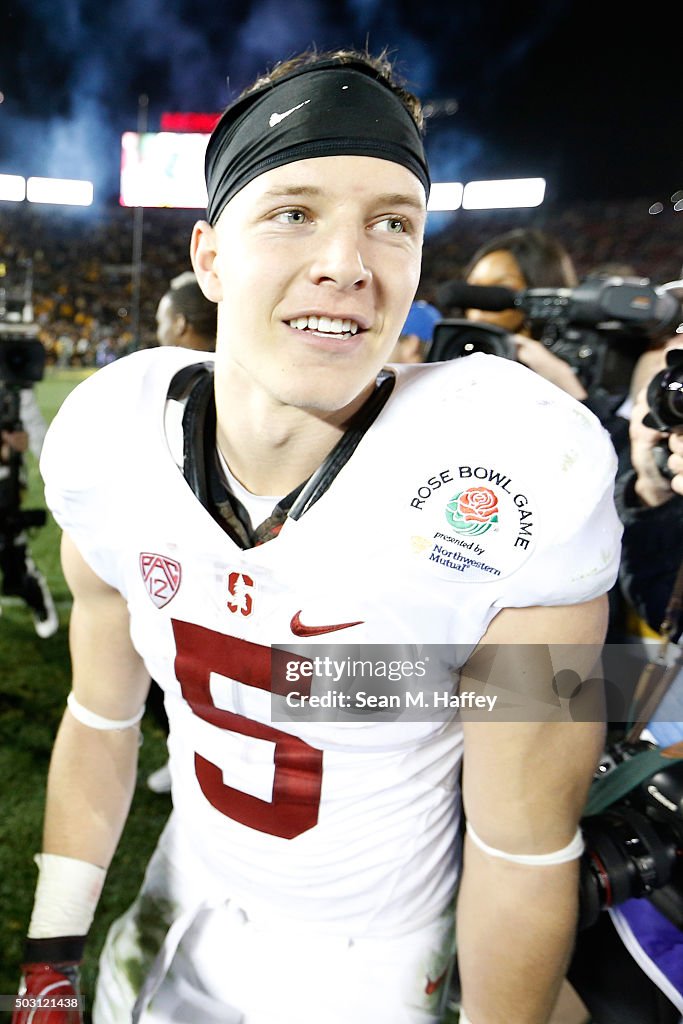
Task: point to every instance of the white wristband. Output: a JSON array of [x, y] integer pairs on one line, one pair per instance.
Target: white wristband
[[571, 851], [66, 896], [463, 1018], [89, 718]]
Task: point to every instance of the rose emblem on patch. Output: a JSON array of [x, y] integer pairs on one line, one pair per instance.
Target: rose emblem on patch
[[473, 512]]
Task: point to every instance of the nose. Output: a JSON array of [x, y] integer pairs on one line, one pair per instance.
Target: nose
[[338, 259]]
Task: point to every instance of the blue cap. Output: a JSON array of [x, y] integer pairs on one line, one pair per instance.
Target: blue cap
[[421, 320]]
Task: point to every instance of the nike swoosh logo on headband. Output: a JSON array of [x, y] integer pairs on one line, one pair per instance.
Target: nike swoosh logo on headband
[[276, 118]]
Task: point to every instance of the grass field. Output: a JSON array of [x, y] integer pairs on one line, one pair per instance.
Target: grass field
[[34, 682]]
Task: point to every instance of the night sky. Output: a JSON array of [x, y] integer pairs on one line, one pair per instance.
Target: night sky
[[581, 93]]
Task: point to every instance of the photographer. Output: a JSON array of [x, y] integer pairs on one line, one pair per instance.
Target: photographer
[[629, 966], [520, 259], [33, 430], [20, 576], [527, 258], [650, 505]]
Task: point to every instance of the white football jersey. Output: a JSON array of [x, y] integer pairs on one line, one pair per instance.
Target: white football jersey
[[479, 486]]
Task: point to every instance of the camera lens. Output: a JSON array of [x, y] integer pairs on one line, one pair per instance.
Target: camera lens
[[665, 397], [453, 339], [489, 348], [625, 857]]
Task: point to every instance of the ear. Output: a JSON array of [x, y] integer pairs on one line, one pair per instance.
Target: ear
[[180, 324], [203, 256]]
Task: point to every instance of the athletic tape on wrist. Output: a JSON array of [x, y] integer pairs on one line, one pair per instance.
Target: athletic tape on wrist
[[89, 718], [571, 851], [66, 896]]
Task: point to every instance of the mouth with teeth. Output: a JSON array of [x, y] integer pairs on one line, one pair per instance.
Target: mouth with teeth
[[325, 325]]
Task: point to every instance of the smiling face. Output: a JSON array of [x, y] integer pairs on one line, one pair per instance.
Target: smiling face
[[314, 265]]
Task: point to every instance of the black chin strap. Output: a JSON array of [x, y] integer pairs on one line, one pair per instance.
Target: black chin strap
[[193, 386], [199, 432]]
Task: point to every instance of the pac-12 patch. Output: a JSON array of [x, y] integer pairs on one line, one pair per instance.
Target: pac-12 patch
[[161, 576]]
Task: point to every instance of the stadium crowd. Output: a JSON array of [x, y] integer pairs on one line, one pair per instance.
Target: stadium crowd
[[83, 270]]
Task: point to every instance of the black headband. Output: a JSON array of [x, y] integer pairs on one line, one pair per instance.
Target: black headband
[[324, 109]]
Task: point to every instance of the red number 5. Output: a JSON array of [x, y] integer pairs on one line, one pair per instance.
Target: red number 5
[[298, 767]]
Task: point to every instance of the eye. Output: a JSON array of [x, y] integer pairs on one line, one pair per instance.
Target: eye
[[392, 225], [293, 216]]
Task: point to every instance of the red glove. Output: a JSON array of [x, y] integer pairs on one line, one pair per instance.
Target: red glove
[[49, 994]]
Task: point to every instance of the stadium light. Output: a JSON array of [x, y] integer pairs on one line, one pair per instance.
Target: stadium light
[[502, 195], [60, 191], [12, 188], [163, 169], [445, 195], [166, 169]]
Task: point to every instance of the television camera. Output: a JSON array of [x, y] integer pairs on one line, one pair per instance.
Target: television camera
[[600, 327]]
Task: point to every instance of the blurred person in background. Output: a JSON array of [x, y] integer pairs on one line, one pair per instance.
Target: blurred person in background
[[416, 333], [652, 360], [520, 259], [20, 577], [185, 317], [106, 351], [528, 258], [650, 503]]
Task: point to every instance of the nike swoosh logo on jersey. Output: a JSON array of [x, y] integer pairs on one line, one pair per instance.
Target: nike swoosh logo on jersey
[[299, 629], [432, 986], [276, 118]]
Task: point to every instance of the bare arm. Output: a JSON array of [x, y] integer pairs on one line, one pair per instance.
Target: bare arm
[[92, 772], [525, 784]]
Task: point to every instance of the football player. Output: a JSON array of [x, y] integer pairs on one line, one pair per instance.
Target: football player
[[285, 515]]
